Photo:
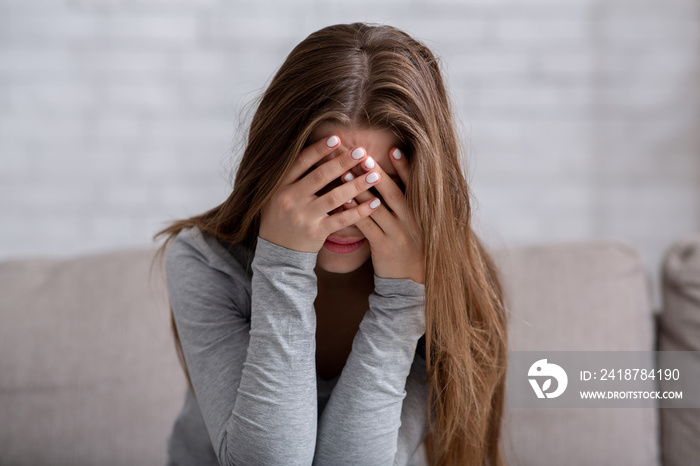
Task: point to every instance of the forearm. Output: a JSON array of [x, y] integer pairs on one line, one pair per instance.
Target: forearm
[[361, 421], [275, 415]]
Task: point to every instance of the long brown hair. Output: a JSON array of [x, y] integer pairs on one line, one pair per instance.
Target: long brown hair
[[379, 77]]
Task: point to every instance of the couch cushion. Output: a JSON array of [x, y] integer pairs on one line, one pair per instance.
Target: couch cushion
[[89, 370], [583, 296], [679, 330]]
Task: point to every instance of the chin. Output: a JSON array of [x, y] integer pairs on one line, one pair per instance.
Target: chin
[[342, 263]]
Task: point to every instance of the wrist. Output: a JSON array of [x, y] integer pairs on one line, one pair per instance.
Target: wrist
[[269, 253], [415, 276], [399, 287], [283, 242]]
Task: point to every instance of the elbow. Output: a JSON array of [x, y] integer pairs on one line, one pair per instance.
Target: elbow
[[265, 453], [229, 456]]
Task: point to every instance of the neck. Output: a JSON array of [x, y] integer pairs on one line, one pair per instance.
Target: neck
[[358, 281]]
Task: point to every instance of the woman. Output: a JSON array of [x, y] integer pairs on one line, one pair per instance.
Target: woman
[[337, 308]]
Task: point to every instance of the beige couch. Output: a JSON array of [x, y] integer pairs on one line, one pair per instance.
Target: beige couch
[[89, 374]]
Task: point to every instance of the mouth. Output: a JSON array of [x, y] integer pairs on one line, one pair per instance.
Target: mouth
[[343, 245]]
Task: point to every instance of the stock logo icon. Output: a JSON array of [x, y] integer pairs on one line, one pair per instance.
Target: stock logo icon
[[542, 369]]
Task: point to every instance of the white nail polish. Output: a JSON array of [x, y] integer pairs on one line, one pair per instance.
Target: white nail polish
[[396, 154], [332, 141], [358, 153], [372, 177], [369, 163], [348, 177], [375, 203]]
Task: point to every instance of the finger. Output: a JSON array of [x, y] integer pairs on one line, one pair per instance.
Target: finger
[[310, 155], [390, 192], [387, 220], [338, 221], [369, 227], [380, 211], [345, 178], [364, 196], [350, 204], [341, 194], [361, 197], [383, 216], [330, 170], [400, 163]]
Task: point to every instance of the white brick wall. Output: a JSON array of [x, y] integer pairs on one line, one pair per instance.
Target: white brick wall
[[579, 118]]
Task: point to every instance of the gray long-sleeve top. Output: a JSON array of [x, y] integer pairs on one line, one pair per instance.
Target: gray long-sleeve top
[[247, 326]]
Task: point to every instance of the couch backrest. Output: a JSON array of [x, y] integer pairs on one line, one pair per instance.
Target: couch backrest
[[88, 370], [90, 374], [582, 296]]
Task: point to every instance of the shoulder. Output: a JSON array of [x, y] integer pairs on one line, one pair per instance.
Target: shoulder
[[200, 264], [192, 243]]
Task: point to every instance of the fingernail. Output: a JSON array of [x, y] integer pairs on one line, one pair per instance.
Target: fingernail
[[372, 177], [396, 154], [332, 141], [369, 163], [358, 153], [349, 202], [375, 203], [348, 177]]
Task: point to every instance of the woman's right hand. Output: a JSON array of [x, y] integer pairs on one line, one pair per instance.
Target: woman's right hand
[[298, 219]]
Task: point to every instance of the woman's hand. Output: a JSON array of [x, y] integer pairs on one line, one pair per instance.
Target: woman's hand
[[392, 234], [297, 218]]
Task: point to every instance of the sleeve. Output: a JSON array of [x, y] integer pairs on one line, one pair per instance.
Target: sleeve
[[255, 382], [414, 415], [361, 422]]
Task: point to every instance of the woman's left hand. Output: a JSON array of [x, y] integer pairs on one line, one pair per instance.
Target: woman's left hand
[[392, 234]]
